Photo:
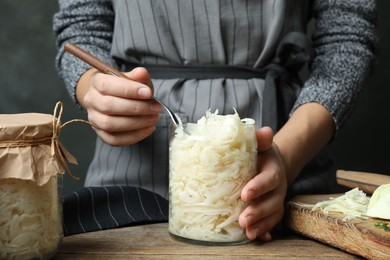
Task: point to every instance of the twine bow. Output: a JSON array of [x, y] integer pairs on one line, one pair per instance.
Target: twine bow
[[57, 149]]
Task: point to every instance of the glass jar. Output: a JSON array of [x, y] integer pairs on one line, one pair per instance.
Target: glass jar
[[31, 172], [30, 218], [210, 162]]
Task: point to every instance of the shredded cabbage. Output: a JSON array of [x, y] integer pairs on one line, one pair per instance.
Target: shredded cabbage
[[379, 206], [30, 223], [210, 162], [353, 204]]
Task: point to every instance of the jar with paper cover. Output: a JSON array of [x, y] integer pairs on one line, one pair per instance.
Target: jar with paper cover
[[32, 162]]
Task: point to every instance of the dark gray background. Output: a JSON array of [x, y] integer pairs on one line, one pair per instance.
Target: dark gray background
[[29, 83]]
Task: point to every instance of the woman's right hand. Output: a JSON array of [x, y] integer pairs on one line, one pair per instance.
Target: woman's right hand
[[121, 110]]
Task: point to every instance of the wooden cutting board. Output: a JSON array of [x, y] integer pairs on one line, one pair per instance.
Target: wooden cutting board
[[365, 181], [358, 236]]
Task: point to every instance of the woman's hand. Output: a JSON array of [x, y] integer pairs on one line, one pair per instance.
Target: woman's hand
[[281, 158], [266, 191], [120, 109]]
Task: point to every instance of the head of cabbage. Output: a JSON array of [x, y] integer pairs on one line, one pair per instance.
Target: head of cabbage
[[379, 205]]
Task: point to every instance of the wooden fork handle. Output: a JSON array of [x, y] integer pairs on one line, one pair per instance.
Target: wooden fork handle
[[92, 60]]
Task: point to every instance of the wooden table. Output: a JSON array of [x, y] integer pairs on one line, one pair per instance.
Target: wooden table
[[154, 242]]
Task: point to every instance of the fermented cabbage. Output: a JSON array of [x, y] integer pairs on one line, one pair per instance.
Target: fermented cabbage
[[30, 222], [353, 204], [210, 162], [356, 204]]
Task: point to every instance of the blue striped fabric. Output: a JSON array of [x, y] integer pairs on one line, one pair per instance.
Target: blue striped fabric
[[96, 208]]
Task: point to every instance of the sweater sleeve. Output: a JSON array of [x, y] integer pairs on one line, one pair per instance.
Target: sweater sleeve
[[344, 43], [89, 24]]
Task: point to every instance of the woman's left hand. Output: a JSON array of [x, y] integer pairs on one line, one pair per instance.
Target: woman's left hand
[[266, 192]]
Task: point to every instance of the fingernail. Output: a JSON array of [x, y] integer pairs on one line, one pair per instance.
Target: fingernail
[[144, 92], [155, 107], [267, 236], [255, 231], [250, 194], [252, 191]]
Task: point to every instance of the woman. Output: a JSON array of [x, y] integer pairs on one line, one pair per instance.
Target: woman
[[200, 55]]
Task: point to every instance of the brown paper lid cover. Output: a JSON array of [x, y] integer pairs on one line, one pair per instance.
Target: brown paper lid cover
[[26, 150]]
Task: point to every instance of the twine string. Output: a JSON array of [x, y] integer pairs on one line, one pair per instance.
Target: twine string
[[57, 149]]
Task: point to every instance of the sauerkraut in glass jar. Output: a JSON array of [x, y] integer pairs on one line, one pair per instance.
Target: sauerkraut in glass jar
[[210, 162], [31, 168], [30, 218]]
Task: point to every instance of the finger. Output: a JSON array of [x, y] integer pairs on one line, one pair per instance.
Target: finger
[[261, 208], [116, 124], [265, 138], [141, 75], [271, 175], [120, 87], [262, 228], [125, 138], [265, 237], [111, 105], [262, 183]]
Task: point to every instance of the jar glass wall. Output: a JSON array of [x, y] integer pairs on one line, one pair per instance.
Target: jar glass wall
[[209, 166], [30, 218]]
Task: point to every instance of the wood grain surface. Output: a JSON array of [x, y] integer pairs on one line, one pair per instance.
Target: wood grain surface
[[154, 242], [365, 181], [357, 236]]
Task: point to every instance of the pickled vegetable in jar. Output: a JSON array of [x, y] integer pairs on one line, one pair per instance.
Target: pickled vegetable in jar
[[30, 218], [31, 169], [210, 162]]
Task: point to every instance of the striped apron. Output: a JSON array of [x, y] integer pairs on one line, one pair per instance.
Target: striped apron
[[201, 55]]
